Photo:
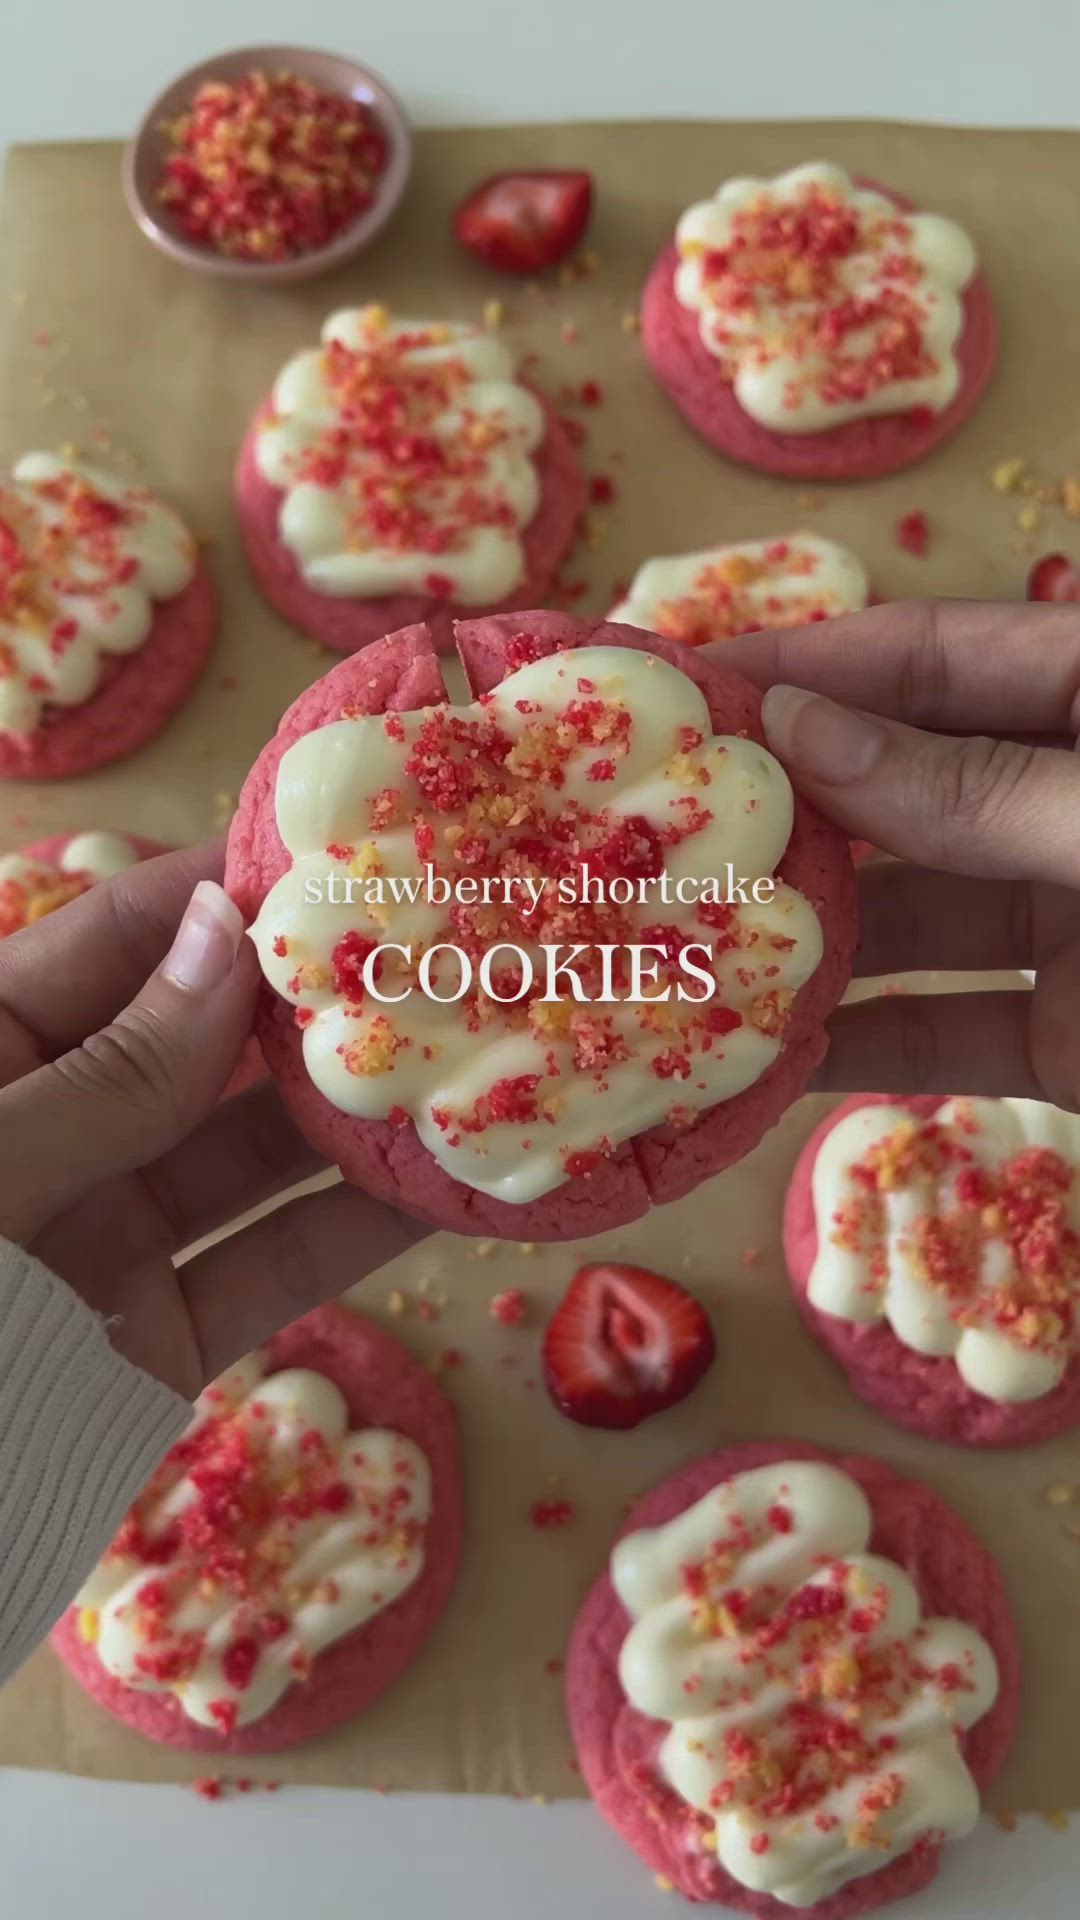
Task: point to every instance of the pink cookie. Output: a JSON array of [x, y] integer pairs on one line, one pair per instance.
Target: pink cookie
[[250, 1067], [915, 1390], [136, 695], [348, 624], [617, 1746], [856, 450], [383, 1386], [389, 1160]]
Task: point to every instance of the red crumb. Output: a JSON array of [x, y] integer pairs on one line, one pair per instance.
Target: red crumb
[[509, 1307], [546, 1515], [913, 533]]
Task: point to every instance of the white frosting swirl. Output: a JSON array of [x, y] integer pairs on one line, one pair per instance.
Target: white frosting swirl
[[800, 332], [872, 1259], [269, 1532], [403, 451], [812, 1712], [83, 557], [724, 591], [425, 1059]]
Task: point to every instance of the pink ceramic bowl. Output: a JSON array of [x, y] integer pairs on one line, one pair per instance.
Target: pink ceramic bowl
[[147, 150]]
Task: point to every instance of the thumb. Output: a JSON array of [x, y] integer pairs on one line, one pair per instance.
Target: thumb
[[134, 1089], [973, 806]]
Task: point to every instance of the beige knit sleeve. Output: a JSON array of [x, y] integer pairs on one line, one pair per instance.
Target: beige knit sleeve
[[81, 1430]]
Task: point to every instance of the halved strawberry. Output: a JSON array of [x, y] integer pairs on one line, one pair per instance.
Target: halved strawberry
[[524, 222], [1054, 577], [622, 1344]]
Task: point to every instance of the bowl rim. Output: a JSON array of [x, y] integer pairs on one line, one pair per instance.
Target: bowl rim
[[396, 124]]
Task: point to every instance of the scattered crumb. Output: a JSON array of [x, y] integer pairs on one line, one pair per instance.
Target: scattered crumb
[[1027, 519], [1070, 496], [228, 683], [494, 313], [211, 1786], [1057, 1818], [539, 1799], [601, 489], [509, 1308], [484, 1249], [630, 323], [224, 807], [1006, 1821], [547, 1515], [665, 1885], [569, 334], [913, 533], [42, 339], [427, 1309], [396, 1301], [591, 393], [809, 502], [1007, 475], [1062, 1496], [446, 1361], [526, 1246], [751, 1256], [553, 1666]]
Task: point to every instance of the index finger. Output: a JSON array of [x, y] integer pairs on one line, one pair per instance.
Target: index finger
[[70, 973], [965, 666]]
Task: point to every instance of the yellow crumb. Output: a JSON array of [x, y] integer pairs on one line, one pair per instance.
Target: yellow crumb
[[494, 313], [1027, 519], [1007, 475], [630, 323], [87, 1622]]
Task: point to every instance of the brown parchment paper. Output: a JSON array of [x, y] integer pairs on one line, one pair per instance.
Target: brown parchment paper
[[105, 344]]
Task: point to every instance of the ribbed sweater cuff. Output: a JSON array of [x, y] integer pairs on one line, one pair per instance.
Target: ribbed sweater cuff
[[81, 1431]]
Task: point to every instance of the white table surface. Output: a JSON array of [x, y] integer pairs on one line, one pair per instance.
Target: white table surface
[[84, 68]]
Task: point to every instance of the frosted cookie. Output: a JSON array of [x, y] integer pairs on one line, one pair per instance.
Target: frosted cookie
[[722, 592], [934, 1249], [291, 1554], [817, 327], [509, 1109], [793, 1682], [49, 873], [401, 471], [106, 617]]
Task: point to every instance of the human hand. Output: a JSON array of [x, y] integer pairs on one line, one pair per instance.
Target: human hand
[[986, 805], [121, 1019]]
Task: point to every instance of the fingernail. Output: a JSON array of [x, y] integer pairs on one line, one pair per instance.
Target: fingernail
[[207, 939], [812, 735]]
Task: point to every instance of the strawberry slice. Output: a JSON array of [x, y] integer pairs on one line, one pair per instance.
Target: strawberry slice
[[524, 222], [1054, 577], [623, 1344]]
